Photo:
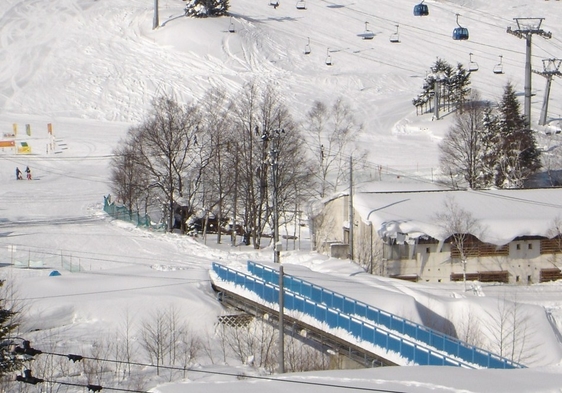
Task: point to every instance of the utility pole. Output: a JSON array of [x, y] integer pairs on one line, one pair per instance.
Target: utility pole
[[281, 322], [273, 157], [155, 21], [551, 68], [526, 27], [351, 216]]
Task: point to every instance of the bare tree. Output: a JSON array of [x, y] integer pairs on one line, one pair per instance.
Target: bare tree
[[128, 181], [460, 229], [167, 148], [254, 344], [509, 331], [467, 326], [218, 177], [461, 149], [155, 334], [263, 126], [330, 132]]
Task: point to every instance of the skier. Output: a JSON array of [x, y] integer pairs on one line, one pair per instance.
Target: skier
[[18, 174], [28, 171]]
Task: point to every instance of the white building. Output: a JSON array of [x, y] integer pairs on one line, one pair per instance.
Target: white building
[[505, 235]]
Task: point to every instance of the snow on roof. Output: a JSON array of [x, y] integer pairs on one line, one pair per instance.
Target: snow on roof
[[501, 214]]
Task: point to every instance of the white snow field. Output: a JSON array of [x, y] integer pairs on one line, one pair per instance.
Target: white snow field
[[90, 68]]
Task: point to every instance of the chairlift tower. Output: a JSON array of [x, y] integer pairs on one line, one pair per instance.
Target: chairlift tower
[[551, 68], [526, 28]]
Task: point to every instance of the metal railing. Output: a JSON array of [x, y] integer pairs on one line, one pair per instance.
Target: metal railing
[[410, 351], [352, 307]]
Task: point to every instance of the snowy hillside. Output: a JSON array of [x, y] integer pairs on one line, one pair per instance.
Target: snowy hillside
[[102, 60], [91, 67]]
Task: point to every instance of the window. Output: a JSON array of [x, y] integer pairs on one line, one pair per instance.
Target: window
[[518, 246], [530, 246]]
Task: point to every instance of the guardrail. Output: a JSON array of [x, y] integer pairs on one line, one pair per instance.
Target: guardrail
[[409, 350], [351, 307]]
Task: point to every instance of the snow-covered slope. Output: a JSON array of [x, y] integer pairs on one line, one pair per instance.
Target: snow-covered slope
[[91, 67]]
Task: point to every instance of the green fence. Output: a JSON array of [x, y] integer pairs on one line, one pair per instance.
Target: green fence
[[120, 212]]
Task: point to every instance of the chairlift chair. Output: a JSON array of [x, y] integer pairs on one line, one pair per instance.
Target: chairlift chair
[[421, 9], [498, 68], [328, 58], [460, 33], [301, 5], [307, 47], [395, 37], [367, 34], [231, 28], [472, 65]]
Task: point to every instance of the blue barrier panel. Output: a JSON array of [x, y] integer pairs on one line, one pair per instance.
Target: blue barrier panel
[[394, 343], [408, 350], [337, 301], [289, 300], [466, 353], [309, 307], [368, 334], [434, 359], [358, 328], [411, 329], [452, 346], [436, 340], [481, 358], [384, 318], [343, 321], [348, 306], [373, 314], [332, 318], [306, 289], [316, 293], [321, 312], [400, 325], [396, 323], [423, 334], [361, 309], [299, 303]]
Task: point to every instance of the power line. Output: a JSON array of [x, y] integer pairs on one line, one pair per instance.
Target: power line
[[223, 373]]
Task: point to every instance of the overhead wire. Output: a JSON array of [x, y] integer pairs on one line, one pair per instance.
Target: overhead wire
[[223, 373]]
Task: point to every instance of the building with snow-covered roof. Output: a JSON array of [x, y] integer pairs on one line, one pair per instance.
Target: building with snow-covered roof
[[511, 236]]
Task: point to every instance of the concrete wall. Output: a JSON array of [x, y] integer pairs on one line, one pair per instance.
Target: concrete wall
[[431, 264]]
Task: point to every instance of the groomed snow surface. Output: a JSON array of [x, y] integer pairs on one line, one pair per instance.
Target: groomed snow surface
[[91, 67]]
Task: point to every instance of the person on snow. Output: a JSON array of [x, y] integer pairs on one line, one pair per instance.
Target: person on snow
[[18, 174], [28, 171]]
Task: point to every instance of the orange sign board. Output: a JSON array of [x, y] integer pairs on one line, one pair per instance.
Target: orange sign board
[[7, 143]]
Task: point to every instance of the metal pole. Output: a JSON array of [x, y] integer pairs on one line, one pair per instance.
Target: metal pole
[[155, 21], [544, 109], [351, 216], [281, 323], [276, 251], [527, 108], [436, 99]]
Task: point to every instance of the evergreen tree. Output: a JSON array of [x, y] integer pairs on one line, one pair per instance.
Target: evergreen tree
[[489, 153], [519, 156], [453, 86], [8, 361], [206, 8], [459, 82]]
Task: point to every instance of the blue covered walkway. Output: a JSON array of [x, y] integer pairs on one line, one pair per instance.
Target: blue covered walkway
[[396, 337]]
